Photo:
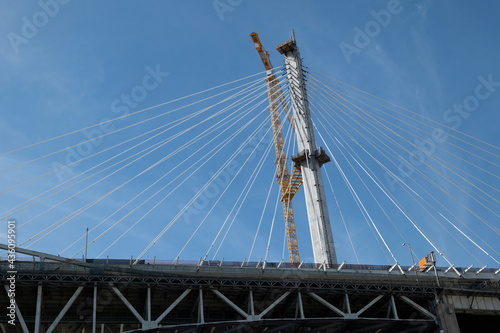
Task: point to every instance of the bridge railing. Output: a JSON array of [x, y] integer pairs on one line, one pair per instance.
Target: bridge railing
[[232, 264]]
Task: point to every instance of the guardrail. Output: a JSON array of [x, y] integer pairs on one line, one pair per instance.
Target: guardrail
[[234, 264]]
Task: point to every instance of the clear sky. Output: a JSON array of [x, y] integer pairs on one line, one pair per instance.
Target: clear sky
[[66, 65]]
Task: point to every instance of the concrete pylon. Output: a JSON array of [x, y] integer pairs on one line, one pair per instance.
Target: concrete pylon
[[310, 158]]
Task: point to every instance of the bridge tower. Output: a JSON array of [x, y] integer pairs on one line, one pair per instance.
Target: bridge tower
[[310, 158]]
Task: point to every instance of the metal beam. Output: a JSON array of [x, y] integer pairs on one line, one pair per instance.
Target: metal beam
[[300, 305], [43, 256], [393, 308], [328, 305], [65, 309], [281, 328], [418, 307], [367, 306], [18, 313], [149, 306], [347, 303], [270, 307], [251, 307], [129, 306], [201, 314], [232, 305], [94, 311], [38, 314], [171, 307], [236, 328]]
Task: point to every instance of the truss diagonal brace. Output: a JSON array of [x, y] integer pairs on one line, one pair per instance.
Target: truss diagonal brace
[[270, 307], [328, 305], [18, 312], [171, 307], [367, 306], [418, 307], [129, 306], [232, 305], [64, 310]]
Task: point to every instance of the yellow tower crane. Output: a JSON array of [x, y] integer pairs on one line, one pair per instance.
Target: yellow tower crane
[[288, 185]]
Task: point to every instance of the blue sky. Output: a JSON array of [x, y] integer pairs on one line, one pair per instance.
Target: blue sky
[[65, 65]]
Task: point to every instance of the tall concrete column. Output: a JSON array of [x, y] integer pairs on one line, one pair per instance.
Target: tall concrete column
[[310, 158], [447, 318]]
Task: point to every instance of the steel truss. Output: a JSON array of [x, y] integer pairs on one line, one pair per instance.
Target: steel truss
[[62, 297]]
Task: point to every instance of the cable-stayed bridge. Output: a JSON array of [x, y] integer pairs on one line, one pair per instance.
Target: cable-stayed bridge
[[412, 204]]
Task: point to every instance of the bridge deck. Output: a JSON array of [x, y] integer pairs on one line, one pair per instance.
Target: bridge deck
[[212, 296]]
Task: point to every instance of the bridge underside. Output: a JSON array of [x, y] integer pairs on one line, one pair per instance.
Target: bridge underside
[[60, 297], [308, 325]]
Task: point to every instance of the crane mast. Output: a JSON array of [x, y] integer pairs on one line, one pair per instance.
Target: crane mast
[[288, 184]]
